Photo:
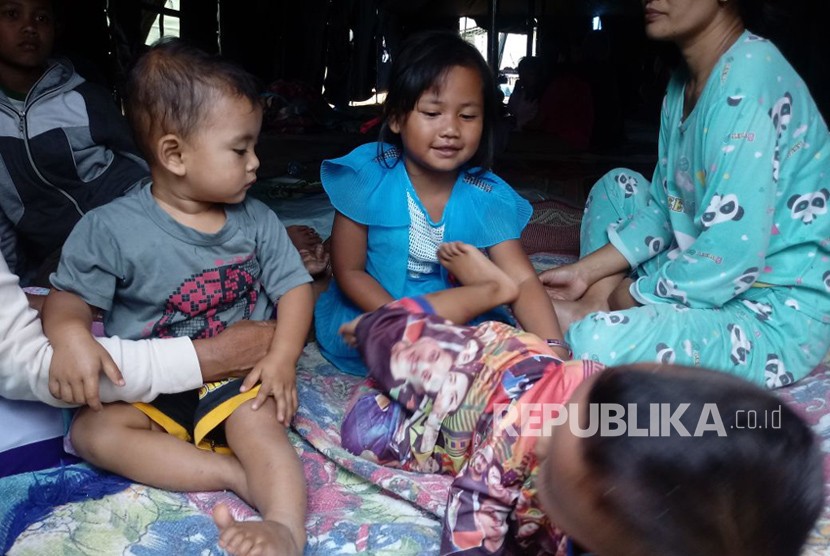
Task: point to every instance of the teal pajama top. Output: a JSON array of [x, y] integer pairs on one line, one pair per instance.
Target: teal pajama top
[[735, 218]]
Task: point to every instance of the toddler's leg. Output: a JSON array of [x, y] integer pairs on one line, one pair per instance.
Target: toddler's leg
[[475, 519], [276, 482], [123, 440]]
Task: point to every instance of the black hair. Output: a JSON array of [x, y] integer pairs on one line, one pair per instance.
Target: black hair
[[751, 492], [765, 17], [172, 86], [532, 64], [424, 59], [59, 8]]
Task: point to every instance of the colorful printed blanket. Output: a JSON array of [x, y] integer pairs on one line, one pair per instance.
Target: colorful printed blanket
[[355, 506]]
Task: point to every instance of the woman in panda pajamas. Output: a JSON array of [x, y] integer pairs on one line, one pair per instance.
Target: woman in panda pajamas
[[722, 260]]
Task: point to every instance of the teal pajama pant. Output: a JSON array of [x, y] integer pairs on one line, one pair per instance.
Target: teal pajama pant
[[756, 336]]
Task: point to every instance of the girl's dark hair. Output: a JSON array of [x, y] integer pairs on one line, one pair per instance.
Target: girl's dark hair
[[424, 60], [173, 85], [755, 491]]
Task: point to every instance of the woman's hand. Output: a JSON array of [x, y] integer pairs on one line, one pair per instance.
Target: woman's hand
[[571, 281], [566, 282], [234, 351]]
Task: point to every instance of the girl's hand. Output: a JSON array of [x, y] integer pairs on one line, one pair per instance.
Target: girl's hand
[[76, 366], [278, 379], [564, 282]]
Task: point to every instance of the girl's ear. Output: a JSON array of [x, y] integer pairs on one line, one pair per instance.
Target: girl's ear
[[169, 154], [394, 125]]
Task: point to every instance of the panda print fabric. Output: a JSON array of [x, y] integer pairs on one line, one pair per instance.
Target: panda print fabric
[[729, 241]]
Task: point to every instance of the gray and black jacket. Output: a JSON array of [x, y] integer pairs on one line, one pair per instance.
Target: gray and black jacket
[[68, 151]]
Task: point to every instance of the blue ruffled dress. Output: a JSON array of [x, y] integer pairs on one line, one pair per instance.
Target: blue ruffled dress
[[369, 186]]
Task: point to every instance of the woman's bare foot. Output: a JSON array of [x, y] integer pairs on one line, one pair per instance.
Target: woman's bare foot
[[471, 267], [304, 237], [568, 312], [253, 538]]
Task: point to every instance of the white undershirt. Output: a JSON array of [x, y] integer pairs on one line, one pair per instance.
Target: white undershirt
[[424, 238]]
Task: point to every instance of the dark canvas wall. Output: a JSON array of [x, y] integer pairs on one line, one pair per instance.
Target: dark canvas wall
[[340, 43]]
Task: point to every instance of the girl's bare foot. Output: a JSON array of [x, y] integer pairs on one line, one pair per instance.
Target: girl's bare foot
[[253, 538], [471, 267]]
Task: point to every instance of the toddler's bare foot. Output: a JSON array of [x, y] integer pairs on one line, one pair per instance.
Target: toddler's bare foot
[[316, 260], [304, 237], [253, 538], [471, 267]]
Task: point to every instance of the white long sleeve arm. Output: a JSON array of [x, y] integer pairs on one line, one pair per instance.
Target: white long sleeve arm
[[150, 367]]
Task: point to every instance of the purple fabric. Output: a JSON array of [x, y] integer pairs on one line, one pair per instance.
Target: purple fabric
[[370, 426], [33, 457]]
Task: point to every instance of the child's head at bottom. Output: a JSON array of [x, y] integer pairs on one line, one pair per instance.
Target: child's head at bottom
[[196, 116], [734, 473]]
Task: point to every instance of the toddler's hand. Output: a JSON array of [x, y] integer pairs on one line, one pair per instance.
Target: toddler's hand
[[75, 370], [278, 379]]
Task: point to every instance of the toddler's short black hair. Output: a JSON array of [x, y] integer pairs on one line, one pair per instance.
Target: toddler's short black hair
[[171, 87]]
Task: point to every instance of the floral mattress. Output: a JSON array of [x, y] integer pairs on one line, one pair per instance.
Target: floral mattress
[[354, 506]]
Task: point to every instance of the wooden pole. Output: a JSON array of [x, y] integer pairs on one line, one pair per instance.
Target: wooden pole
[[493, 37]]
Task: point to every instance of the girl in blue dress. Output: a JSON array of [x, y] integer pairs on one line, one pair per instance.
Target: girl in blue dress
[[426, 183]]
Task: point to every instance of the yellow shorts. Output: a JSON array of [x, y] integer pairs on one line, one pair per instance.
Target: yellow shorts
[[198, 416]]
